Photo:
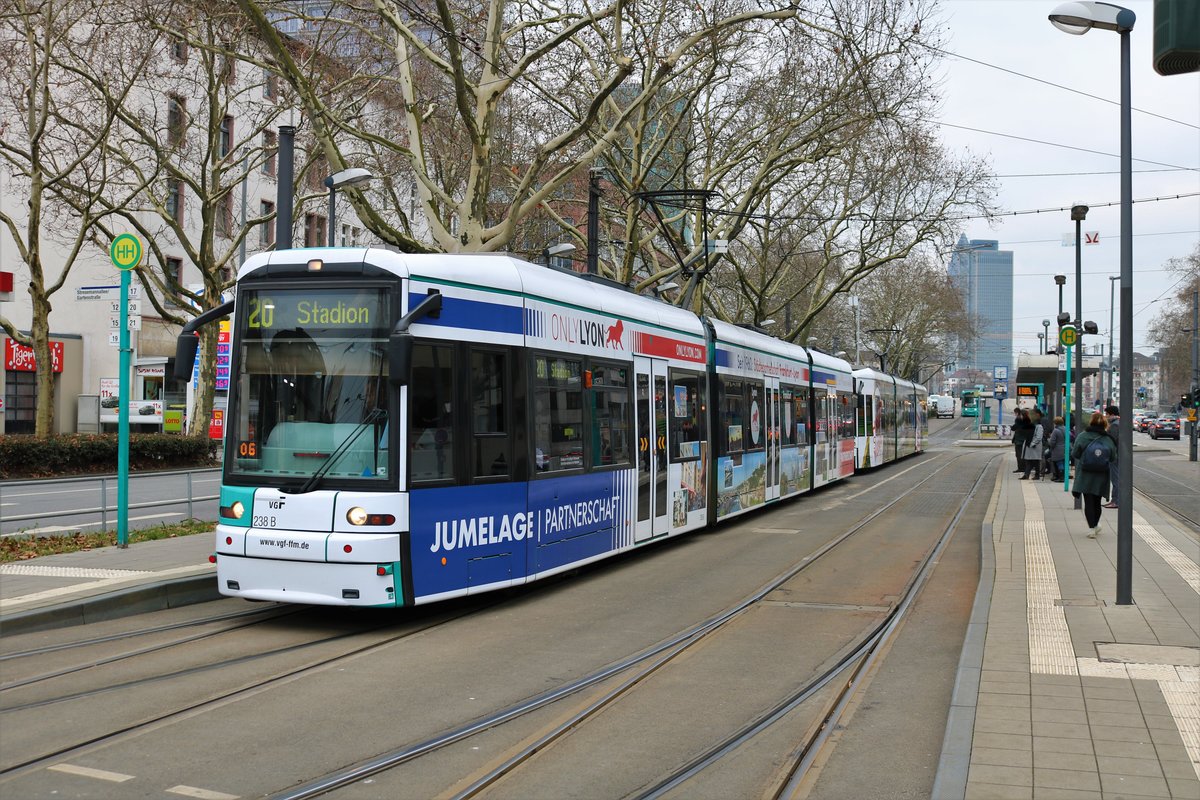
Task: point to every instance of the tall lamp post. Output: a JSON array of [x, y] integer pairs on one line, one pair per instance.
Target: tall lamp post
[[1065, 413], [354, 176], [1079, 214], [1078, 18], [1112, 287], [1041, 344]]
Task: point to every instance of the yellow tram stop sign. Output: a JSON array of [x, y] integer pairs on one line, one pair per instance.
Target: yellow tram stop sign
[[125, 251], [1068, 336]]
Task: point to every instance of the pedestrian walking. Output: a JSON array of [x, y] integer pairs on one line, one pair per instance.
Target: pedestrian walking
[[1057, 448], [1114, 425], [1094, 452], [1022, 432]]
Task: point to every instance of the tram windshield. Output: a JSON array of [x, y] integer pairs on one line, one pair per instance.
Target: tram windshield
[[310, 393]]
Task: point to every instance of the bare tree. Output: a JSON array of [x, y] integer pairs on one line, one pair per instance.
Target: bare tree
[[1171, 330], [54, 133], [197, 132], [495, 88]]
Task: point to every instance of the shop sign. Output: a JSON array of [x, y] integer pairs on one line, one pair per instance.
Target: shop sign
[[216, 425], [19, 358], [173, 420], [159, 371]]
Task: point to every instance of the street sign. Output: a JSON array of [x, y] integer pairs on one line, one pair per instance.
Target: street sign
[[1068, 336], [105, 293], [114, 338], [125, 251], [134, 306], [1000, 373]]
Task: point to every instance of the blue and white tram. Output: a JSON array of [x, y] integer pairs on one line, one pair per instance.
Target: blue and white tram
[[891, 418], [403, 429], [778, 421]]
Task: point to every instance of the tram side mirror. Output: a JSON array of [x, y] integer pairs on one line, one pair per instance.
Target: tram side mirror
[[185, 355], [400, 352]]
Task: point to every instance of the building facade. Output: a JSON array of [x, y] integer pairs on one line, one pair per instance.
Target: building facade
[[216, 123], [983, 275]]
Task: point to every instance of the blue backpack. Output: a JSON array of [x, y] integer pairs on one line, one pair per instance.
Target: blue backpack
[[1096, 456]]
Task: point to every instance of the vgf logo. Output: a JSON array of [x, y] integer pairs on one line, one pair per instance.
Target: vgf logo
[[275, 504]]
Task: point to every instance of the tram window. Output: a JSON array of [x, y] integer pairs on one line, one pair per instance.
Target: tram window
[[822, 424], [733, 402], [431, 414], [757, 418], [612, 416], [803, 423], [845, 411], [489, 414], [866, 412], [687, 415], [787, 415], [558, 414]]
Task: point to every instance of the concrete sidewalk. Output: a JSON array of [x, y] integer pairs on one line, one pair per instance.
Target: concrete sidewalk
[[90, 585], [1061, 693]]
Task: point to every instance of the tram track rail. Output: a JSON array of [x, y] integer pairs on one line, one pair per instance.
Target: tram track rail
[[141, 727], [642, 665], [265, 615]]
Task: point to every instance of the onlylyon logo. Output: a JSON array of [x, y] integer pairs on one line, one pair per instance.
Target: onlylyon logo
[[585, 332]]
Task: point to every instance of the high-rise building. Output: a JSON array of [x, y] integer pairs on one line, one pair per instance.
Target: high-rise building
[[983, 274]]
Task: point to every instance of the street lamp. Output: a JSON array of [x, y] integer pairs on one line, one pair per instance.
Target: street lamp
[[1111, 289], [354, 176], [1046, 327], [883, 353], [1041, 343], [556, 250], [1078, 18], [1078, 215]]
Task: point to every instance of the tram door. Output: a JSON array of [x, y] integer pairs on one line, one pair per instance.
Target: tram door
[[773, 429], [651, 387]]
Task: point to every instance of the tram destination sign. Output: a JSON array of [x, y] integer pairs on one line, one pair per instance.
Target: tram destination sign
[[364, 310]]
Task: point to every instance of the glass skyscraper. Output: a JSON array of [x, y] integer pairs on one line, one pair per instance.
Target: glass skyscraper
[[983, 275]]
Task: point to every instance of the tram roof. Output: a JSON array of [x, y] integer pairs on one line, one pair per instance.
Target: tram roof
[[497, 272]]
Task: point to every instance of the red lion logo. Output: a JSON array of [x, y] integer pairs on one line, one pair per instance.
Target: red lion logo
[[614, 334]]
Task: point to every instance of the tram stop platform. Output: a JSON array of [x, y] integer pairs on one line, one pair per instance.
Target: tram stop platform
[[105, 583], [1060, 692]]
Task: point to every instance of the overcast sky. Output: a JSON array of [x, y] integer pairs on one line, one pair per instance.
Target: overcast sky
[[1015, 36]]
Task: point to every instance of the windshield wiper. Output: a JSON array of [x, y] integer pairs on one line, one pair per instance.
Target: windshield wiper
[[314, 480]]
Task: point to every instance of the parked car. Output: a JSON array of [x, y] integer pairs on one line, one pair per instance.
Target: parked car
[[1165, 428]]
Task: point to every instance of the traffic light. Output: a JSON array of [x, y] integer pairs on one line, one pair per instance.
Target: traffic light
[[1185, 401]]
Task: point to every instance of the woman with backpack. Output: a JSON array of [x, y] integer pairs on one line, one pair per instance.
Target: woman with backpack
[[1093, 452]]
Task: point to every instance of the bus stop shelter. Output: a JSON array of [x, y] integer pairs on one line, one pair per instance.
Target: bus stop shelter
[[1050, 371]]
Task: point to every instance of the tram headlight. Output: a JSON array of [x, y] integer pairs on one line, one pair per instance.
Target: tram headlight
[[358, 516], [234, 511]]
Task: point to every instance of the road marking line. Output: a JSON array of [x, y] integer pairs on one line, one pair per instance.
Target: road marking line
[[88, 772], [1175, 558], [203, 794]]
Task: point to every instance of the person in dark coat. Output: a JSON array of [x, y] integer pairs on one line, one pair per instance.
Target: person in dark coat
[[1022, 432], [1058, 448], [1114, 426], [1092, 485]]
